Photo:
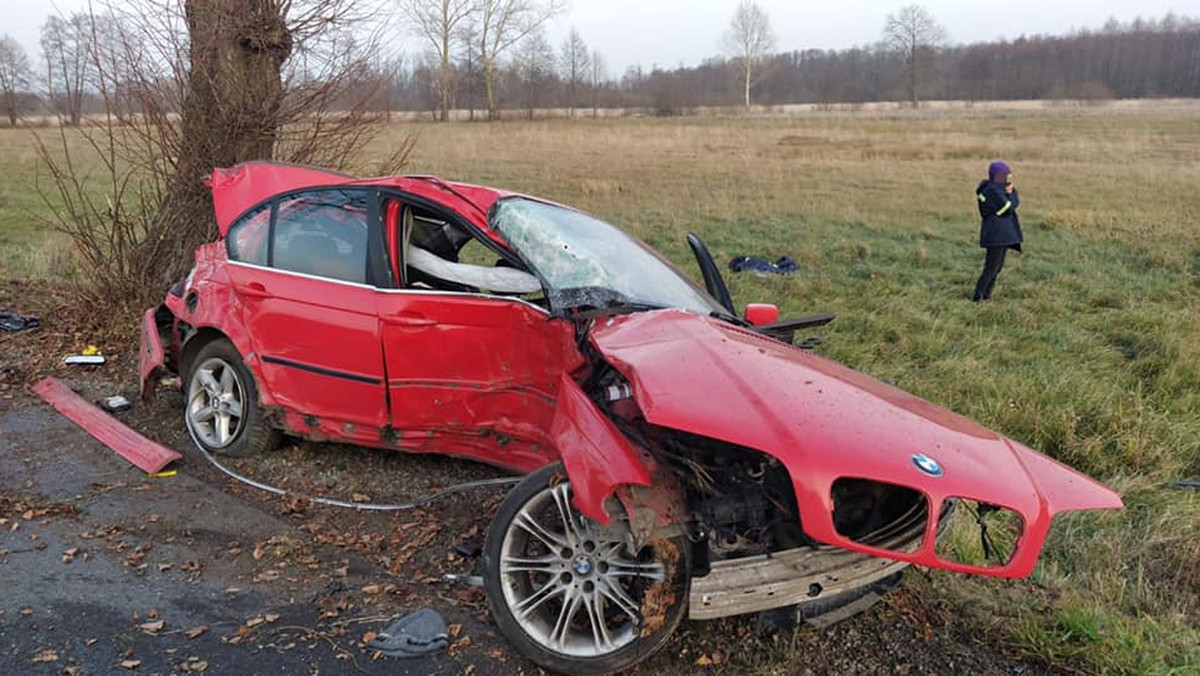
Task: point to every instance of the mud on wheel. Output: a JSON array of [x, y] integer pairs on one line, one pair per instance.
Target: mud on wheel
[[568, 592]]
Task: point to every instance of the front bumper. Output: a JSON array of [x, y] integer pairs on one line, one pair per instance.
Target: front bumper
[[796, 576], [786, 578]]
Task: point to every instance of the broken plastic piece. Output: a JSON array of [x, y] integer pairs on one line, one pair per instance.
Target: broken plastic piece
[[468, 550], [85, 359], [115, 404], [145, 454], [809, 343], [469, 580], [420, 633]]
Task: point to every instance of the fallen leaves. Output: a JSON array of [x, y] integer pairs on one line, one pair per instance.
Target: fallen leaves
[[707, 661], [68, 555], [196, 632], [152, 628], [45, 656], [130, 664], [193, 664]]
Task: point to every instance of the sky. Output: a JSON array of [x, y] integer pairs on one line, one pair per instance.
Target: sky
[[674, 32]]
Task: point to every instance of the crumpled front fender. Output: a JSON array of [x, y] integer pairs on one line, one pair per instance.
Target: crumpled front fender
[[597, 456]]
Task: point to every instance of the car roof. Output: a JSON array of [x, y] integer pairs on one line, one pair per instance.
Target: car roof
[[239, 188]]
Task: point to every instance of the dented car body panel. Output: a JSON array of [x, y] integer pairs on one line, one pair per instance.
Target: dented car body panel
[[825, 421], [652, 396]]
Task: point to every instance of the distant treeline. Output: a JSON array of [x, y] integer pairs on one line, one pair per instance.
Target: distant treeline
[[1139, 59]]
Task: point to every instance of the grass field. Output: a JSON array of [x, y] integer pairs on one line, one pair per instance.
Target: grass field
[[1089, 352]]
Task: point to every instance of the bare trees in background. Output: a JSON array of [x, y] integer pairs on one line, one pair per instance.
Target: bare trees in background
[[749, 40], [534, 61], [503, 24], [574, 60], [67, 50], [1155, 57], [915, 35], [439, 23], [189, 85], [15, 76], [599, 75]]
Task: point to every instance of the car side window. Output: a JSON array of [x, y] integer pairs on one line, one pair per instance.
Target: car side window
[[247, 239], [322, 233]]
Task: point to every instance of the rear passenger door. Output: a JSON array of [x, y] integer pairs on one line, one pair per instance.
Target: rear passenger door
[[303, 293]]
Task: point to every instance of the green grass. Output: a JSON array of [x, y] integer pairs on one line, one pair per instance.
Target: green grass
[[1089, 352]]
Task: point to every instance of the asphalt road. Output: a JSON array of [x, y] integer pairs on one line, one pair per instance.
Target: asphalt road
[[86, 583]]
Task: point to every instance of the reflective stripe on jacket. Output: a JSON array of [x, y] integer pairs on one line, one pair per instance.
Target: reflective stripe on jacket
[[999, 224]]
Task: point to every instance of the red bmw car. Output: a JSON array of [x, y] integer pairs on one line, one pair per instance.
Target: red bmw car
[[683, 459]]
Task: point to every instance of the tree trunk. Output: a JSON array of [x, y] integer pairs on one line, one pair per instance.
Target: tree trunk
[[489, 75], [230, 115], [912, 77], [10, 105], [445, 76], [747, 68]]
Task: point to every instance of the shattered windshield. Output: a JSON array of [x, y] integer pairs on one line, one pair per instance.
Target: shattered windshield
[[588, 262]]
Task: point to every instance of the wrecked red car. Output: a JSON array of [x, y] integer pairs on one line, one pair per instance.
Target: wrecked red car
[[683, 460]]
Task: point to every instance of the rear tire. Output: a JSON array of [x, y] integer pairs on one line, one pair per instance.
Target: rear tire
[[567, 592], [221, 404]]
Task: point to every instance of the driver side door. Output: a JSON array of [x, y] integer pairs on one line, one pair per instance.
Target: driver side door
[[470, 373]]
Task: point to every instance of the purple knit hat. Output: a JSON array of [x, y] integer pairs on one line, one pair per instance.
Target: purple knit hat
[[998, 169]]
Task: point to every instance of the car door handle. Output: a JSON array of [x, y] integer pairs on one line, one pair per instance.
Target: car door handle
[[409, 321], [254, 290]]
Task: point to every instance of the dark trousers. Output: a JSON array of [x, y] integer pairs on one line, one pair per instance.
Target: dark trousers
[[992, 264]]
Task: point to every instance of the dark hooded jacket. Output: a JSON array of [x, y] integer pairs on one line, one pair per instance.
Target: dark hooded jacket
[[1000, 225]]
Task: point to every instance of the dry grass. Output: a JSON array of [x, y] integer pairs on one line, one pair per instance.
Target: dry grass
[[1089, 352]]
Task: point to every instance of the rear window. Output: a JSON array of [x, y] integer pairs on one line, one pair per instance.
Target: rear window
[[247, 239]]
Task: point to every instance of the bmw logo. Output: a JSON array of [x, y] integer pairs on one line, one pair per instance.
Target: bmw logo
[[927, 464]]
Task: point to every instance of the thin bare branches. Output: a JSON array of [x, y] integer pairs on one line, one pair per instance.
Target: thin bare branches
[[188, 85]]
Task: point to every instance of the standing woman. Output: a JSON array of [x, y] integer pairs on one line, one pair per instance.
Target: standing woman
[[1000, 229]]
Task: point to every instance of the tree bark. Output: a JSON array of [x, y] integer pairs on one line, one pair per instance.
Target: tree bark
[[230, 115]]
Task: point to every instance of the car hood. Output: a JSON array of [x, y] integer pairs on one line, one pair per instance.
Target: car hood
[[825, 421]]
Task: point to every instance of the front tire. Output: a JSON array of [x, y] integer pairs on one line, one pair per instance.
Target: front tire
[[221, 407], [568, 592]]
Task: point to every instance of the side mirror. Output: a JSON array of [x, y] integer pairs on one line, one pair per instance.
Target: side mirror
[[761, 314]]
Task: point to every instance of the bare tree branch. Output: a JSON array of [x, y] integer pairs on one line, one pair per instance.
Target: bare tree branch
[[914, 35], [502, 24], [749, 40], [15, 76]]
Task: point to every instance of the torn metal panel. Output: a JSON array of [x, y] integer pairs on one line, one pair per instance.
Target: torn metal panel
[[597, 456], [151, 356], [147, 455], [825, 421], [237, 189]]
